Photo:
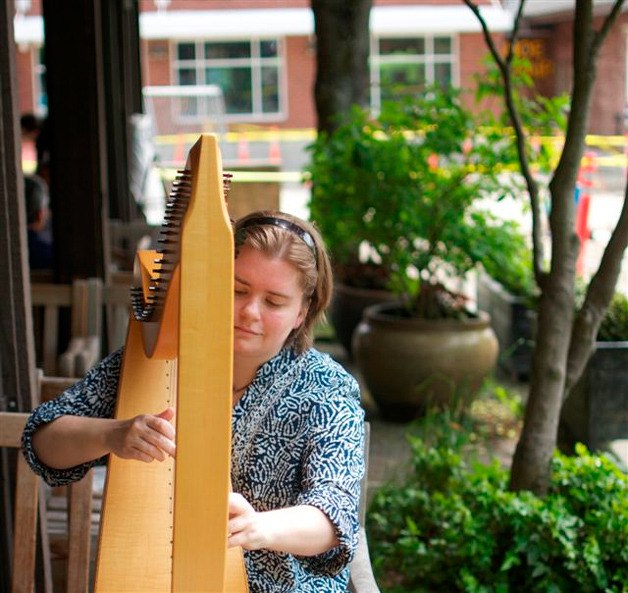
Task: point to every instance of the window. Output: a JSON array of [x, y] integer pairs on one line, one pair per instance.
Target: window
[[248, 72], [39, 72], [405, 65]]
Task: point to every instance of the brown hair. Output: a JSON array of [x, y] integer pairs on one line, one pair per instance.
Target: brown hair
[[298, 242]]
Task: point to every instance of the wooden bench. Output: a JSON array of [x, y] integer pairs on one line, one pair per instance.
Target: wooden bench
[[29, 506], [98, 315], [361, 579], [79, 300], [116, 296], [79, 509], [125, 238]]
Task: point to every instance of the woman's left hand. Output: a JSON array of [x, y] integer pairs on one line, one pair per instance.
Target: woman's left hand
[[247, 528], [301, 530]]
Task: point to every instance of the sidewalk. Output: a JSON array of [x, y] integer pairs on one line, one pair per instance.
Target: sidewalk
[[389, 451]]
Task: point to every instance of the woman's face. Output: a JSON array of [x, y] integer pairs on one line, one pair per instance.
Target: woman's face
[[268, 304]]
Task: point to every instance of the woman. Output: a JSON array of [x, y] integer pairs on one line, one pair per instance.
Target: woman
[[297, 423]]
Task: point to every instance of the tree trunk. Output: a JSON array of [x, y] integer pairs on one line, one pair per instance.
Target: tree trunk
[[531, 463], [342, 49], [530, 468]]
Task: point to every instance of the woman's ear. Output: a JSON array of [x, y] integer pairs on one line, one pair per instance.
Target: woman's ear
[[302, 315]]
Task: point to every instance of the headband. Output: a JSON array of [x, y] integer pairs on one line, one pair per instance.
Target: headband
[[281, 223]]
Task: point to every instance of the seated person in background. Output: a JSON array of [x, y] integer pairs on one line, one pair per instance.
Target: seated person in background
[[29, 125], [39, 243], [43, 149]]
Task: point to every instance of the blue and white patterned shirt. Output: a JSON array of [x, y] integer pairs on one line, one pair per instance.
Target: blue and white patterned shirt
[[297, 438]]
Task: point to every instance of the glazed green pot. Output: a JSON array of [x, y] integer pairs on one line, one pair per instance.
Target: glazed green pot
[[596, 411], [410, 364]]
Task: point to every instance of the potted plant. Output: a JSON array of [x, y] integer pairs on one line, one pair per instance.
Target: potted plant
[[595, 411], [404, 191], [342, 169]]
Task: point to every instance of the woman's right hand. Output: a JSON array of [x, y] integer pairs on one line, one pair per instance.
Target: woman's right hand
[[147, 437], [70, 441]]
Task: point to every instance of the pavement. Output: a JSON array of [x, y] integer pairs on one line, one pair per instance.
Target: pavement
[[389, 451]]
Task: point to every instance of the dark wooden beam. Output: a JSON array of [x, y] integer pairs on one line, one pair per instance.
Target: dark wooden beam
[[17, 354], [78, 161], [17, 360], [122, 81]]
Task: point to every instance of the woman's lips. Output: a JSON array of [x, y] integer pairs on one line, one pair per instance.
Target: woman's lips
[[247, 331]]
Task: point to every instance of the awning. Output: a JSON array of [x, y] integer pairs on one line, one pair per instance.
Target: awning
[[28, 30], [277, 22], [284, 22]]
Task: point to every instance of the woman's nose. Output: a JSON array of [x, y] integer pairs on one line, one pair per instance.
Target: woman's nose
[[251, 308]]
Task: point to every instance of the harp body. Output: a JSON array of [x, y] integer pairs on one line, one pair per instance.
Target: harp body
[[164, 525]]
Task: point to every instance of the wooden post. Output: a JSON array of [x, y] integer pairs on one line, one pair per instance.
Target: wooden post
[[78, 157], [17, 353]]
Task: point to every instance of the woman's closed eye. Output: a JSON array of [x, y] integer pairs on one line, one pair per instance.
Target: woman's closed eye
[[275, 304], [240, 288], [272, 301]]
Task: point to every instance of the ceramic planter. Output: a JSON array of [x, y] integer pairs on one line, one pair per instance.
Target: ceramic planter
[[596, 412], [409, 364], [346, 309]]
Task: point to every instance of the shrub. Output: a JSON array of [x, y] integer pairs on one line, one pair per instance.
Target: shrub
[[404, 191], [614, 325], [453, 525], [512, 267]]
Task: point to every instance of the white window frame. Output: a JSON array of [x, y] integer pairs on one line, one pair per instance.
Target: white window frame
[[255, 62], [429, 59], [38, 70]]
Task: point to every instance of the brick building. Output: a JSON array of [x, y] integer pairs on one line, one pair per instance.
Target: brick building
[[261, 55]]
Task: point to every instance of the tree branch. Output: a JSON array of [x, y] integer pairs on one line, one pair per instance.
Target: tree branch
[[585, 54], [612, 16], [515, 33], [599, 295], [520, 136]]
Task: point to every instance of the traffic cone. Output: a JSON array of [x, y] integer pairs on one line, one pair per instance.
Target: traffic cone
[[178, 156], [274, 152], [244, 155], [585, 183]]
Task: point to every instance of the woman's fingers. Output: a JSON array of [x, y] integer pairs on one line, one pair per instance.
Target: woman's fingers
[[247, 527], [155, 446], [240, 513], [146, 437]]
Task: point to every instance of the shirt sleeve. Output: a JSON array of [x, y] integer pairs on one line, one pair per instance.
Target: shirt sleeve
[[93, 396], [332, 470]]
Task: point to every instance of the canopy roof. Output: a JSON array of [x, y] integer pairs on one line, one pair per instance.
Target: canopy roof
[[272, 22]]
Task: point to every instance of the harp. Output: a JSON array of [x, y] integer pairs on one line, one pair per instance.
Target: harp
[[164, 525]]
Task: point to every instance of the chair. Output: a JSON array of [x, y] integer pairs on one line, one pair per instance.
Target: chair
[[82, 299], [361, 579], [126, 238], [117, 299], [27, 503]]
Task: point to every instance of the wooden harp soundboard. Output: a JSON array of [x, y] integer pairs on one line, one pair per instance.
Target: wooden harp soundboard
[[164, 525]]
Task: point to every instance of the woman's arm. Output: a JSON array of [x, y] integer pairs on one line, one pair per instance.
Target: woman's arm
[[302, 530], [69, 440]]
